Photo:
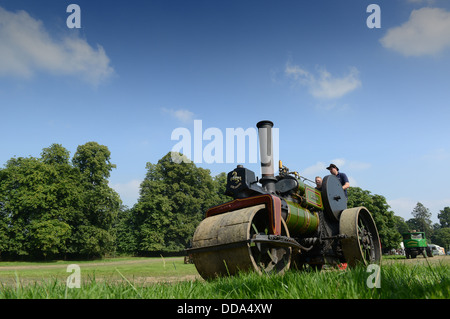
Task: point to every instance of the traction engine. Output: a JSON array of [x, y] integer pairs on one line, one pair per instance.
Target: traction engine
[[278, 222]]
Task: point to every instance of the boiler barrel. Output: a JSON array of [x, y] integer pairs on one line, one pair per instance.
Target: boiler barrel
[[300, 220]]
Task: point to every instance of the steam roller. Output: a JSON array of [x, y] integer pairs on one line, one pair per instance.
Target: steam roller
[[278, 222]]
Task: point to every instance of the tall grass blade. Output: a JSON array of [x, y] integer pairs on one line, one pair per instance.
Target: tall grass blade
[[131, 285]]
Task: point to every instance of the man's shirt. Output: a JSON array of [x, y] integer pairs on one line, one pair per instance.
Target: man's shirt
[[343, 179]]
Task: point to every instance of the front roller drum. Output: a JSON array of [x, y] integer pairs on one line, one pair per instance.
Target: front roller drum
[[361, 244], [226, 247]]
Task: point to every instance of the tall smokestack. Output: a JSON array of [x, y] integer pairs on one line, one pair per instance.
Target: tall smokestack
[[266, 151]]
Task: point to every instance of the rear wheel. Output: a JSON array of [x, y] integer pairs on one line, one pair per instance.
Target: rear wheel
[[361, 244]]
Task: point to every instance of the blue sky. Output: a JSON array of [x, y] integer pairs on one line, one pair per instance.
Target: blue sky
[[375, 101]]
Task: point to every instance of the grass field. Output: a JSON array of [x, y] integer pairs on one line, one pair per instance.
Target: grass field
[[170, 278]]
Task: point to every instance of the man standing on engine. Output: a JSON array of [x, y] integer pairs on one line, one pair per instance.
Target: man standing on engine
[[342, 177]]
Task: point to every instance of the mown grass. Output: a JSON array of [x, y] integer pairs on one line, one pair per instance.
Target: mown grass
[[398, 281], [106, 269]]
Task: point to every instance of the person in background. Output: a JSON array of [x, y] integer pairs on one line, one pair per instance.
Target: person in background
[[319, 183], [342, 177]]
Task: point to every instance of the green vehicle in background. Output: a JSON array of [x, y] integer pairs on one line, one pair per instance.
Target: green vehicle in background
[[415, 243]]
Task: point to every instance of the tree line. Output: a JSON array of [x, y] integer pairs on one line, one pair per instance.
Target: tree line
[[56, 207], [437, 233], [390, 226]]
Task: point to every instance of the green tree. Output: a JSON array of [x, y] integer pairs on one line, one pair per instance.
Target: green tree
[[93, 161], [421, 220], [4, 238], [401, 225], [125, 232], [49, 207], [441, 237], [220, 185], [173, 199], [100, 204], [55, 154], [444, 217], [382, 215], [92, 241], [37, 196], [49, 237]]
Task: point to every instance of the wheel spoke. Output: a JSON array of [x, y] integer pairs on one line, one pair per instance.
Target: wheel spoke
[[267, 256]]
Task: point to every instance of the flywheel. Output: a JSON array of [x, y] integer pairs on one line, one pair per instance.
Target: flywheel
[[361, 244], [333, 196], [222, 244]]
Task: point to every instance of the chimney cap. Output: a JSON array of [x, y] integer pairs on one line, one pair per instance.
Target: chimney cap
[[265, 123]]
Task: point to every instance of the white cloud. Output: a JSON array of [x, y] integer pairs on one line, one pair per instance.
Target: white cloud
[[339, 162], [352, 181], [402, 207], [320, 167], [324, 85], [184, 116], [317, 169], [425, 33], [129, 192], [26, 48]]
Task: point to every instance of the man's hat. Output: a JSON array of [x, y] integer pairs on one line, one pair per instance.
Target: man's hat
[[332, 165]]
